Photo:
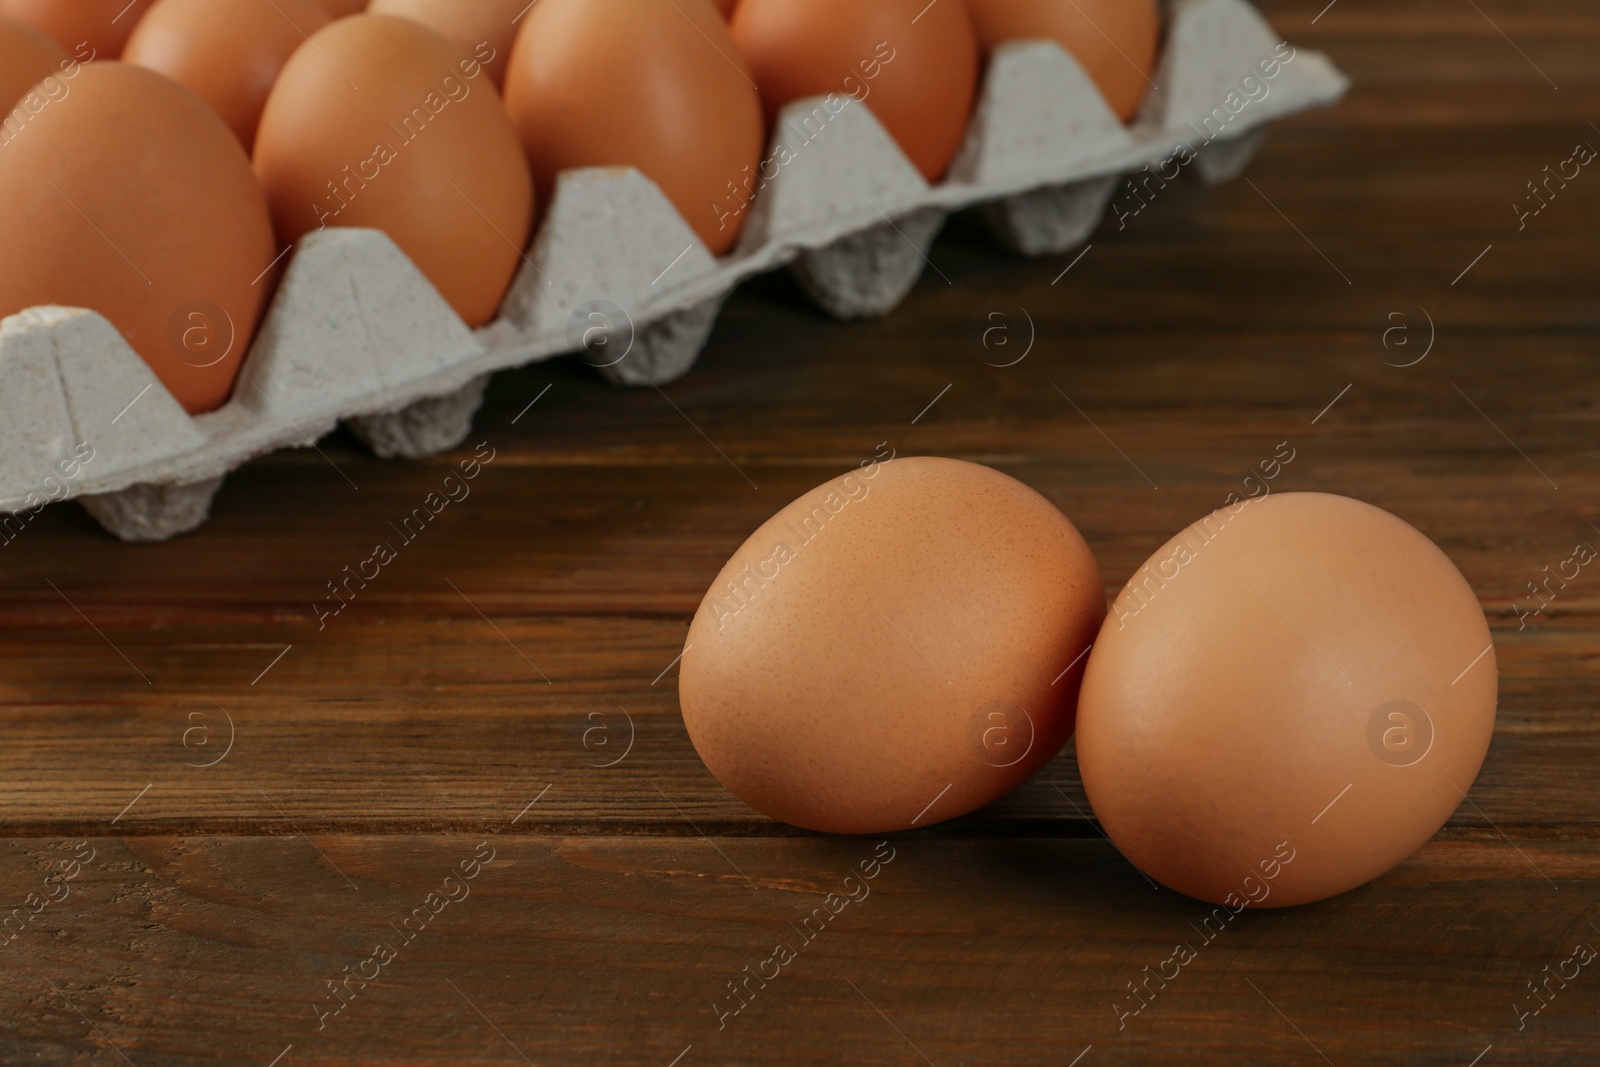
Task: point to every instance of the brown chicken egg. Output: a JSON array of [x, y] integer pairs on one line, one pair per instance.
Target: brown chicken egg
[[27, 57], [1287, 700], [1114, 40], [725, 7], [103, 25], [228, 52], [897, 647], [652, 84], [380, 122], [469, 24], [130, 197], [914, 64]]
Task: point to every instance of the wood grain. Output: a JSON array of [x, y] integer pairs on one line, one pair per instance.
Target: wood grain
[[620, 950], [470, 678]]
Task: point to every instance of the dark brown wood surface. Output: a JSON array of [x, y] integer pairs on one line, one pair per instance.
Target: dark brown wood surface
[[538, 618]]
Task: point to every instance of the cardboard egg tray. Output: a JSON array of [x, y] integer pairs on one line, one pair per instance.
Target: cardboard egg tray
[[357, 334]]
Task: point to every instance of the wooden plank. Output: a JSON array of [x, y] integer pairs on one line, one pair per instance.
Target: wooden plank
[[401, 728], [585, 951]]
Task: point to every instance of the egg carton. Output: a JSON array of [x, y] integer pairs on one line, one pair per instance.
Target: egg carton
[[356, 334]]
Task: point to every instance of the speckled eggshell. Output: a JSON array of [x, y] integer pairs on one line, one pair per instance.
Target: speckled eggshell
[[227, 52], [1287, 700], [899, 646], [27, 57], [104, 26]]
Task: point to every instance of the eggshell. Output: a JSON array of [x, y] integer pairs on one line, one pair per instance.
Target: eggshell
[[380, 122], [1300, 676], [1115, 40], [130, 197], [229, 52], [652, 84], [897, 647], [104, 25], [340, 8], [725, 7], [913, 63], [27, 57], [470, 24]]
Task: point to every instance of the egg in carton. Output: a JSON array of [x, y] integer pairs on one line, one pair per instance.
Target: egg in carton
[[357, 334]]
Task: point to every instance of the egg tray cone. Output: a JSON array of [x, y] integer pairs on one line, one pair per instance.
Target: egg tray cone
[[357, 334]]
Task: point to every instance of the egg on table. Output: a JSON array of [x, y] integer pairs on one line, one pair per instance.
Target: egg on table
[[130, 197], [653, 84], [380, 122], [914, 64], [898, 646], [89, 29], [1115, 40], [1287, 700], [228, 52]]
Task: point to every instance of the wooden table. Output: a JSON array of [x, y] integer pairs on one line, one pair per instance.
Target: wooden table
[[463, 706]]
